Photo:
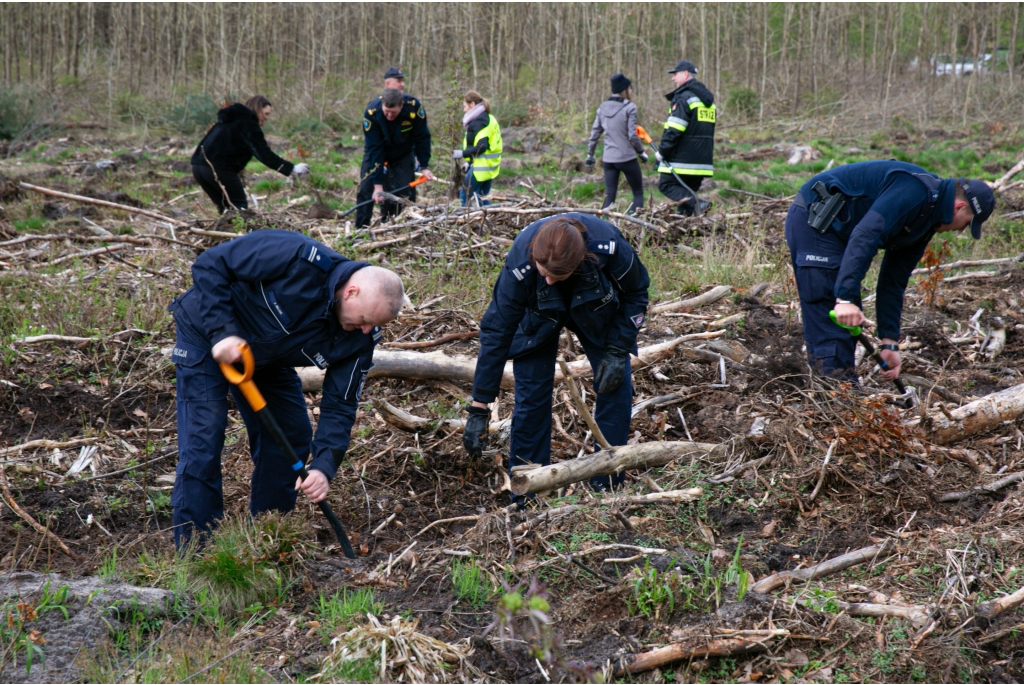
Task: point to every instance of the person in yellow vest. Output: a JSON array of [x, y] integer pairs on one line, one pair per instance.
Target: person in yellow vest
[[481, 148]]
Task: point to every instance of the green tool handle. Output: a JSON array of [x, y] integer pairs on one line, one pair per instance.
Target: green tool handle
[[858, 333]]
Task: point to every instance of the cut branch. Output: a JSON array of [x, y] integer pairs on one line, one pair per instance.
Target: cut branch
[[102, 203], [718, 647], [979, 489], [409, 422], [989, 610], [826, 568], [606, 462], [451, 337], [711, 296], [574, 392]]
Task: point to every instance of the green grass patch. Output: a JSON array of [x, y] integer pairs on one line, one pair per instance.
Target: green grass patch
[[340, 610], [470, 583]]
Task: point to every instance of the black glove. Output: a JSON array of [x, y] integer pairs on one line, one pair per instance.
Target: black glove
[[589, 162], [611, 370], [643, 157], [474, 437]]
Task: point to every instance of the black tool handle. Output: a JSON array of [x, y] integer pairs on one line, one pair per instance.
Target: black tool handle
[[863, 339], [300, 470]]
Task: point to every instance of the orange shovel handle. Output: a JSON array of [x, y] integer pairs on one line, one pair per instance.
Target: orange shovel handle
[[642, 134], [419, 181], [243, 379]]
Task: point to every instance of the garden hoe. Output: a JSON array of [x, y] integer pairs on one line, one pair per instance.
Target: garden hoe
[[419, 181], [259, 405], [857, 333], [644, 136]]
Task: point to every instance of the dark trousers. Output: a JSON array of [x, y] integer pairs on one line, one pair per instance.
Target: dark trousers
[[232, 184], [531, 418], [634, 177], [670, 188], [202, 402], [477, 188], [816, 258], [400, 173]]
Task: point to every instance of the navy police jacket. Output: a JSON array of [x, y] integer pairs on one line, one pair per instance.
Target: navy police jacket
[[386, 140], [891, 206], [276, 290], [604, 300]]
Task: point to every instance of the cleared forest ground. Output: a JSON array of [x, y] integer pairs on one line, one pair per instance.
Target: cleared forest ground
[[441, 556]]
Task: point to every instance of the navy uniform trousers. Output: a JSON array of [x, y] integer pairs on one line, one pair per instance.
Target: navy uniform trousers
[[202, 403], [830, 349], [531, 420], [400, 173]]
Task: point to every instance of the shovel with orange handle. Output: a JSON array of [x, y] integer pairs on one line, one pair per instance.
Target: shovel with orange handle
[[419, 181], [259, 405], [644, 136]]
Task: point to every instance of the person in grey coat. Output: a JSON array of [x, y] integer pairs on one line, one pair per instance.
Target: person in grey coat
[[616, 118]]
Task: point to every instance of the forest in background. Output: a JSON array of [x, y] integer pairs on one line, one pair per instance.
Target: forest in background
[[866, 64]]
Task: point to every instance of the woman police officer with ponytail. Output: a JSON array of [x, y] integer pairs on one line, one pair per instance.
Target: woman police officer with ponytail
[[570, 270]]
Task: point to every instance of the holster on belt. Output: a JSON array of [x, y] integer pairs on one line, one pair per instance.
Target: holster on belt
[[822, 213]]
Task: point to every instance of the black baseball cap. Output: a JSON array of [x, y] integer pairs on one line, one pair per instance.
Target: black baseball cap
[[684, 65], [394, 72], [982, 202]]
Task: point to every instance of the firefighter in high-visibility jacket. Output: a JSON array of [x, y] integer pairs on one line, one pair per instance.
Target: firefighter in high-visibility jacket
[[481, 149], [686, 152]]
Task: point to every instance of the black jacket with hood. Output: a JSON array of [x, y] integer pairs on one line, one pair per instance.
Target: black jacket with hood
[[235, 139]]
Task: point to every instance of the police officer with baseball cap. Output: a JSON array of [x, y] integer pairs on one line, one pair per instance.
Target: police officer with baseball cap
[[396, 145], [839, 221]]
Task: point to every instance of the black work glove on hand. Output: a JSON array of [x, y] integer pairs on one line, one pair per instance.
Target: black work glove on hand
[[611, 370], [474, 437]]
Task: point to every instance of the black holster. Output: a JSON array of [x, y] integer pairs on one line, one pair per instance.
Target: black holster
[[822, 213]]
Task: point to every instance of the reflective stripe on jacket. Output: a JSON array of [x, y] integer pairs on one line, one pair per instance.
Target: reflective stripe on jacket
[[688, 140]]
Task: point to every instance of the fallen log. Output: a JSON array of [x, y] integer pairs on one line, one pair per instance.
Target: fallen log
[[720, 647], [606, 462], [428, 365], [711, 296], [975, 417], [102, 203], [825, 568]]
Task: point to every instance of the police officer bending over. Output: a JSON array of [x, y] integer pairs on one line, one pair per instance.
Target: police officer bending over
[[569, 270], [394, 132], [297, 303], [840, 219]]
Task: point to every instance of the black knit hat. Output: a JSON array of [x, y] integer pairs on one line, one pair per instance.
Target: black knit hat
[[620, 83]]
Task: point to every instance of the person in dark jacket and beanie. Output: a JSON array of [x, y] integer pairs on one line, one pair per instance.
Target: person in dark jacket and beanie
[[884, 205], [688, 141], [481, 148], [569, 270], [227, 147], [295, 302], [616, 118], [395, 135]]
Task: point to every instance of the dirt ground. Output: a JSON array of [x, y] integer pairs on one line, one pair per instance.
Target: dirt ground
[[883, 484]]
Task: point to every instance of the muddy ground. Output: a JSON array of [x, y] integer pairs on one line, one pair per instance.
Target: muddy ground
[[883, 483]]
